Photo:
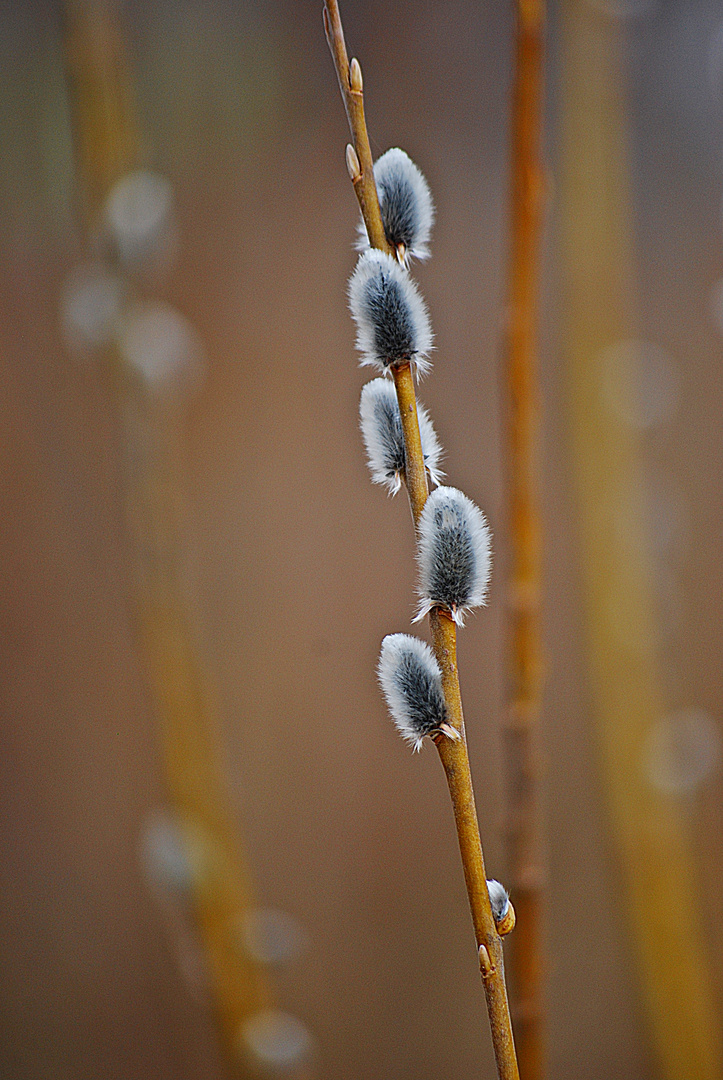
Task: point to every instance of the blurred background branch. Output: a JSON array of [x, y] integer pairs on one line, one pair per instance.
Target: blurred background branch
[[661, 899], [521, 735], [154, 366]]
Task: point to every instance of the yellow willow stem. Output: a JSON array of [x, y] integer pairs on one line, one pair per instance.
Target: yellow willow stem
[[415, 473], [455, 760], [453, 753], [352, 92], [520, 731]]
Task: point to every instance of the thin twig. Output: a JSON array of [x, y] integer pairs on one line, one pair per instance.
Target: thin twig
[[453, 753], [352, 92], [525, 661]]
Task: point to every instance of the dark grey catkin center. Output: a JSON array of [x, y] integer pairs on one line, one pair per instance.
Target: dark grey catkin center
[[399, 211], [453, 558], [389, 426], [423, 693], [391, 318]]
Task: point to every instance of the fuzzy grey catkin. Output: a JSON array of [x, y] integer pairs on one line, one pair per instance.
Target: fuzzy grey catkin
[[393, 326], [453, 554], [381, 427], [411, 681], [499, 899], [406, 206]]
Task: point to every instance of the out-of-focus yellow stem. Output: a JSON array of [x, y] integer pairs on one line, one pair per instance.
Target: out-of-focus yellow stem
[[107, 146], [186, 707], [520, 729], [600, 310], [107, 143]]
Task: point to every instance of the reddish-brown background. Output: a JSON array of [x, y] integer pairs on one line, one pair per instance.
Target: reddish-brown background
[[343, 827]]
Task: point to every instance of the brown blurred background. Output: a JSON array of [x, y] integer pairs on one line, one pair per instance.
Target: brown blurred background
[[298, 566]]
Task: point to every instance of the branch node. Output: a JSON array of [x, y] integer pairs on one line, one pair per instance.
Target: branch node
[[485, 962], [450, 732]]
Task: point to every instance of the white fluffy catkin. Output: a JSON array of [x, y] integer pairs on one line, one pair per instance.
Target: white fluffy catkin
[[406, 205], [393, 326], [412, 684], [453, 553], [381, 427], [499, 899]]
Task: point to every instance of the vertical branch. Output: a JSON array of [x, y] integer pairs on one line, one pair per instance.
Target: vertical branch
[[415, 473], [657, 863], [453, 753], [179, 679], [455, 761], [521, 734], [103, 118]]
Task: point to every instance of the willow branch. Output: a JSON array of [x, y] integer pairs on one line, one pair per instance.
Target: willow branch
[[415, 473], [455, 760], [525, 661], [453, 753], [352, 91]]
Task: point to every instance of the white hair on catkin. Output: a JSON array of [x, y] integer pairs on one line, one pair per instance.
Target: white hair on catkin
[[411, 681], [392, 322], [406, 205], [453, 553], [381, 427], [499, 899]]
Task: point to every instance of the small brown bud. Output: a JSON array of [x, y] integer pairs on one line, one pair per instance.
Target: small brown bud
[[507, 922]]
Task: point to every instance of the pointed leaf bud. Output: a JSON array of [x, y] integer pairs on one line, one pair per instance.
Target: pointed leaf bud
[[392, 322], [412, 684], [355, 76], [406, 205], [381, 427], [352, 163], [453, 554]]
